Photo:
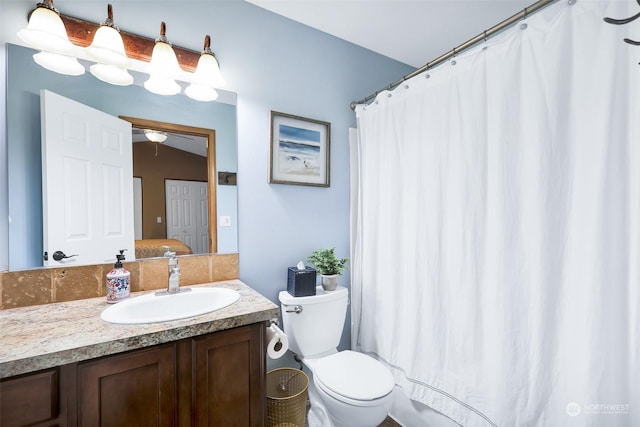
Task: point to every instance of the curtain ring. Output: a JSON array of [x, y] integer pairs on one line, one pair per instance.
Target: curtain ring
[[526, 13]]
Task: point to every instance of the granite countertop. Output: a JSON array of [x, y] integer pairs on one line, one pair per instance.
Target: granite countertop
[[44, 336]]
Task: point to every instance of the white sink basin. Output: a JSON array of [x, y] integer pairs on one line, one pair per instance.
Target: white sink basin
[[159, 307]]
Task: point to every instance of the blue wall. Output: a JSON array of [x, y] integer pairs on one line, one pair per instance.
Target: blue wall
[[272, 63]]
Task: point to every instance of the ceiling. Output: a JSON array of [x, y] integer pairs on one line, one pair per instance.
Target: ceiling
[[411, 31]]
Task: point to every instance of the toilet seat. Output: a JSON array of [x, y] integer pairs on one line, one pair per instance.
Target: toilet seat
[[353, 378]]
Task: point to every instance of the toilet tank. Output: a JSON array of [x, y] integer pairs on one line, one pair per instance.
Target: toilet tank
[[317, 328]]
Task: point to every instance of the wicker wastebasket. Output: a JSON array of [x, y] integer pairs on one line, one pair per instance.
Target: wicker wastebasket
[[287, 390]]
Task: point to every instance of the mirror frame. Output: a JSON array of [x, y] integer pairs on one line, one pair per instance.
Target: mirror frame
[[210, 134]]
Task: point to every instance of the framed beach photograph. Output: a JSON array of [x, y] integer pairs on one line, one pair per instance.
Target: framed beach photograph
[[299, 150]]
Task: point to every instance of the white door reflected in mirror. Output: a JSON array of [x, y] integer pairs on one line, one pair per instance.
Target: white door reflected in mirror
[[87, 183], [187, 213]]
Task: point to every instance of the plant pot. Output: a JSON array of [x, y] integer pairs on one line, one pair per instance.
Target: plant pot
[[329, 282]]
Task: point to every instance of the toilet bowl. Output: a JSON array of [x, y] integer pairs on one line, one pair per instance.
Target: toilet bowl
[[348, 389], [354, 388]]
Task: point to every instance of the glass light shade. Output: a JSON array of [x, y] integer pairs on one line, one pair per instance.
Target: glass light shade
[[111, 74], [208, 71], [107, 47], [61, 64], [155, 135], [162, 85], [46, 31], [201, 93], [164, 61]]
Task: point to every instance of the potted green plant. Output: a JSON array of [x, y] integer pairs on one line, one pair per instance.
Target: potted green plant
[[328, 266]]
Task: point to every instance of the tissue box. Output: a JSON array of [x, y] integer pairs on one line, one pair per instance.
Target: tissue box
[[301, 283]]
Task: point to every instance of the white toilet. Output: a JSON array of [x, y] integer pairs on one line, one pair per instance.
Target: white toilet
[[349, 389]]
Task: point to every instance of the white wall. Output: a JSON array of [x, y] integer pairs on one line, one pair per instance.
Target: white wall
[[272, 63]]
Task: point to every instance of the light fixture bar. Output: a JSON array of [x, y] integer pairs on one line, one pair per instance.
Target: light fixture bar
[[137, 47], [115, 53]]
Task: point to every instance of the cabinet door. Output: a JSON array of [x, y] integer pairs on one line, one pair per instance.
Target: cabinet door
[[32, 399], [131, 389], [229, 371]]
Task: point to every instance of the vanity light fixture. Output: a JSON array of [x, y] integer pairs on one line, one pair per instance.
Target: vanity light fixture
[[107, 48], [46, 32], [164, 67], [63, 40], [155, 135], [207, 76]]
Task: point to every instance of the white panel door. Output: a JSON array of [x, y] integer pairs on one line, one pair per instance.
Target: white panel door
[[87, 182], [187, 218]]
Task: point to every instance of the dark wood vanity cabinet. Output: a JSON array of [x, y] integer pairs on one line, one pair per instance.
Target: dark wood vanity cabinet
[[216, 379], [33, 399], [229, 378], [124, 389]]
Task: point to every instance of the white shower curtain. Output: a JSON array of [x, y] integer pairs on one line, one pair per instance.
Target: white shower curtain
[[496, 226]]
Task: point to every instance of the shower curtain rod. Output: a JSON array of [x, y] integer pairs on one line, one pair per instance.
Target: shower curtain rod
[[523, 14]]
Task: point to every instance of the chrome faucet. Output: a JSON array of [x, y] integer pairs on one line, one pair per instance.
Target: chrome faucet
[[174, 273]]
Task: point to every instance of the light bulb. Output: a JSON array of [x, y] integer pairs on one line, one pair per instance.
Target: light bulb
[[107, 46], [58, 63], [46, 31], [162, 85], [163, 68], [201, 93], [111, 74], [208, 71]]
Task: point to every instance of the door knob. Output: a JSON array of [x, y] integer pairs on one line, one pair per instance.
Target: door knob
[[59, 256]]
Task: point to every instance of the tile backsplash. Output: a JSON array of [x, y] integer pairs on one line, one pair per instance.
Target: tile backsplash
[[46, 285]]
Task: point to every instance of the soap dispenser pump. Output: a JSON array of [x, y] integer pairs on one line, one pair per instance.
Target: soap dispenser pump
[[118, 281]]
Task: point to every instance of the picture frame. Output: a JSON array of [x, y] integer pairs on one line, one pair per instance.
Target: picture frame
[[300, 150]]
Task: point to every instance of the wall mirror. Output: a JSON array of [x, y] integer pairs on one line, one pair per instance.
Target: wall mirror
[[25, 79]]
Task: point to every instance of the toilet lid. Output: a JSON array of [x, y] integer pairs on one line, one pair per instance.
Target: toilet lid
[[354, 375]]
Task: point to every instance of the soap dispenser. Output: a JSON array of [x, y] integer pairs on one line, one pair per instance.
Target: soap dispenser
[[118, 281]]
